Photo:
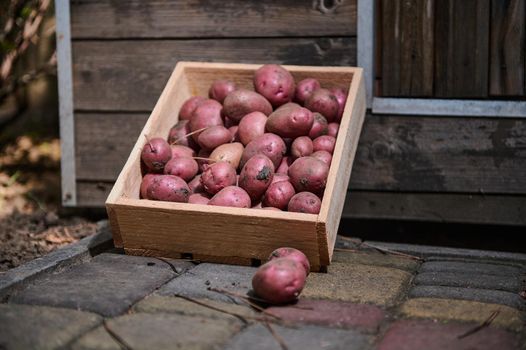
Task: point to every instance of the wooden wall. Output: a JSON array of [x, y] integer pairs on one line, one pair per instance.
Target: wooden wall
[[409, 167]]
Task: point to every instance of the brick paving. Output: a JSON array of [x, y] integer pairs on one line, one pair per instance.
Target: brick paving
[[367, 300]]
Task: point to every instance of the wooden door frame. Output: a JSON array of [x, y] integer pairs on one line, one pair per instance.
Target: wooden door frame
[[419, 106]]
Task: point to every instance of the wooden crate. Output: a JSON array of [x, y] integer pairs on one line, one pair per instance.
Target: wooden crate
[[223, 234]]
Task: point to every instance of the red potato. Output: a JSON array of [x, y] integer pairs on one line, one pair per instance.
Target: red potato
[[324, 143], [305, 202], [147, 180], [283, 168], [333, 129], [279, 281], [231, 196], [179, 151], [279, 177], [324, 102], [234, 131], [291, 253], [241, 102], [341, 96], [229, 152], [227, 121], [218, 176], [324, 156], [220, 88], [275, 83], [195, 185], [305, 88], [278, 195], [308, 174], [290, 121], [213, 137], [251, 127], [256, 176], [202, 161], [155, 154], [207, 114], [319, 127], [199, 198], [184, 167], [168, 188], [178, 135], [271, 145], [189, 106], [301, 147]]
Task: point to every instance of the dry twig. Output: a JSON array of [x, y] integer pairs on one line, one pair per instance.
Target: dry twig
[[392, 252], [276, 336], [245, 299], [483, 325]]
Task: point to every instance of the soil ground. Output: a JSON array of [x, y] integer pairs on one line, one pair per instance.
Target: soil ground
[[31, 221]]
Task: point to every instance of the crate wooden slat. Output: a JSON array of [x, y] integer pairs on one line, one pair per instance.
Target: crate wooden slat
[[234, 235]]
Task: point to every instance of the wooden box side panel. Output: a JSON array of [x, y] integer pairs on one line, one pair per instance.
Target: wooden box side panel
[[341, 166], [220, 233]]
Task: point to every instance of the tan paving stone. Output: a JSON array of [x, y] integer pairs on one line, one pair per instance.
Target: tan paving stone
[[96, 339], [157, 303], [375, 259], [359, 284], [463, 310]]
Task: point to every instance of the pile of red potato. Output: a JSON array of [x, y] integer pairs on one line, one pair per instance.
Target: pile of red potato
[[270, 148]]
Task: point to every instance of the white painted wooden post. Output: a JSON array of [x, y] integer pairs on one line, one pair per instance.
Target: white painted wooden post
[[366, 45], [65, 93]]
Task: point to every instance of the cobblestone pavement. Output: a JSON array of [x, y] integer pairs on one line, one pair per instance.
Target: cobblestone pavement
[[370, 298]]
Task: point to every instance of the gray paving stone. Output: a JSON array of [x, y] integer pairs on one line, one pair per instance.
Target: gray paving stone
[[257, 337], [194, 283], [513, 263], [161, 331], [470, 267], [108, 285], [469, 280], [77, 252], [427, 251], [483, 295], [41, 327]]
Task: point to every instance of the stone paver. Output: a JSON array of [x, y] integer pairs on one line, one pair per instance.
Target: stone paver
[[41, 327], [469, 280], [97, 339], [376, 259], [162, 331], [257, 337], [463, 310], [429, 335], [445, 252], [483, 295], [358, 284], [156, 304], [331, 314], [467, 266], [107, 285], [196, 282]]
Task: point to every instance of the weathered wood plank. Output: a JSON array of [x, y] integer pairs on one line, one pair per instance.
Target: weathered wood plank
[[508, 44], [407, 47], [198, 18], [129, 75], [395, 153], [103, 143], [461, 50], [434, 207], [433, 154]]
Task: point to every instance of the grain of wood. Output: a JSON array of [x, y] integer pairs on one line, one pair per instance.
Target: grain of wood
[[461, 49], [407, 47], [129, 75], [402, 153], [198, 18], [508, 44], [488, 209]]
